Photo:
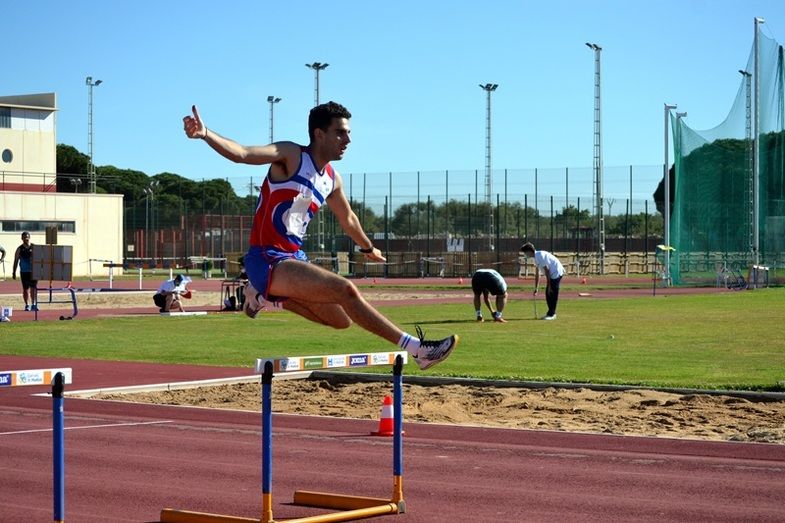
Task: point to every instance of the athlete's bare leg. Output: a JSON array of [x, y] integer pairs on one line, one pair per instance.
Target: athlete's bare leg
[[324, 294], [324, 313]]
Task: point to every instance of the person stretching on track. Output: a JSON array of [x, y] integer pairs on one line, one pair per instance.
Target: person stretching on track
[[554, 271], [485, 282], [299, 180]]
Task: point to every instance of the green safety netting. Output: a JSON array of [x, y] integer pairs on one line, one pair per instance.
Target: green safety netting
[[713, 194]]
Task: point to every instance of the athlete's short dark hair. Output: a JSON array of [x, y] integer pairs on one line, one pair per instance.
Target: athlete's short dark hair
[[322, 116]]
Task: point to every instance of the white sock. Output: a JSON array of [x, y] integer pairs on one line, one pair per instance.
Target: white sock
[[479, 313], [409, 343]]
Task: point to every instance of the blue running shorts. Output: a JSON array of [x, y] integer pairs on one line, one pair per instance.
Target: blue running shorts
[[259, 263]]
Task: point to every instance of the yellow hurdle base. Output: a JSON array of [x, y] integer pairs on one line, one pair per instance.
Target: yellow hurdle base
[[350, 507], [169, 515]]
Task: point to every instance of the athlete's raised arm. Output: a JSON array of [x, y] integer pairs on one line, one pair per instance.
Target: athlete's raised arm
[[286, 153]]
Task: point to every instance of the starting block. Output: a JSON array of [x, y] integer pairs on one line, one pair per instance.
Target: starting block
[[349, 507]]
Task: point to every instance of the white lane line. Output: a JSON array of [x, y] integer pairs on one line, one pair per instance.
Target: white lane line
[[89, 427]]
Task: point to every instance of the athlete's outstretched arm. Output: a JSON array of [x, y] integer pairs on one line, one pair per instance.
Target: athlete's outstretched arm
[[287, 153], [349, 222]]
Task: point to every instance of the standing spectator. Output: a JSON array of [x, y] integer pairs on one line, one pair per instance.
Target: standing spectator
[[553, 270], [23, 258], [485, 282], [2, 259]]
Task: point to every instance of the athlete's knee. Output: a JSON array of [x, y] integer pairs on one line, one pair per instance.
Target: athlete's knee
[[348, 290]]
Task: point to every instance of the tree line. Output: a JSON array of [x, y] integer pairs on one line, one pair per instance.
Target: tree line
[[174, 196]]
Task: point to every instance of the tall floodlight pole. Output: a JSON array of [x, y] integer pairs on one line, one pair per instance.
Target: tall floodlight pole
[[318, 66], [756, 149], [272, 100], [149, 214], [488, 88], [667, 202], [750, 167], [91, 165], [598, 198]]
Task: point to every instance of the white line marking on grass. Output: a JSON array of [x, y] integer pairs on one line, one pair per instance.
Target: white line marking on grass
[[89, 427]]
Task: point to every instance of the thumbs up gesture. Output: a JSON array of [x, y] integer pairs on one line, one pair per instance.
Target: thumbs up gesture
[[193, 125]]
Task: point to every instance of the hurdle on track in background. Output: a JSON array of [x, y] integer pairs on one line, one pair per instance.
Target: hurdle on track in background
[[349, 507], [57, 378], [71, 292]]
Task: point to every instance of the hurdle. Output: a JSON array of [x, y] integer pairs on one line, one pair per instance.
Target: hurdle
[[71, 291], [58, 378], [348, 507]]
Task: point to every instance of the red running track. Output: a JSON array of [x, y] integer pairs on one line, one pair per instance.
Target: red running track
[[125, 462]]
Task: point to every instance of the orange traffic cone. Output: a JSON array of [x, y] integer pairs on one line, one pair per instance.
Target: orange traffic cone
[[386, 422]]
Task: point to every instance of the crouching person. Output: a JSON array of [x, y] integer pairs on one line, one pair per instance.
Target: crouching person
[[167, 299]]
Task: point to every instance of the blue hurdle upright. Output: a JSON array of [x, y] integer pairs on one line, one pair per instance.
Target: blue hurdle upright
[[347, 507], [58, 378]]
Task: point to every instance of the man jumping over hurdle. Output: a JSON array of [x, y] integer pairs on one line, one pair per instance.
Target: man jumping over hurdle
[[299, 180]]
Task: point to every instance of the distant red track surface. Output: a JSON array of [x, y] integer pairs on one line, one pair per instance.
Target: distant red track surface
[[440, 290]]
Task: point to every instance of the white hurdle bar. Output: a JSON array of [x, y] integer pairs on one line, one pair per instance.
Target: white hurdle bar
[[19, 378]]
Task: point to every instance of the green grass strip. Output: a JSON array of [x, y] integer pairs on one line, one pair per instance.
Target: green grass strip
[[729, 340]]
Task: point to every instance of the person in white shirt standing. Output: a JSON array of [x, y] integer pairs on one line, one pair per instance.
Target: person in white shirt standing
[[553, 270]]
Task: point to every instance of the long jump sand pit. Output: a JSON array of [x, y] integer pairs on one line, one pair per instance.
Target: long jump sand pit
[[638, 412]]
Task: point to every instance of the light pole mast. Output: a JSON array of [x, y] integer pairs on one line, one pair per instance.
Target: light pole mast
[[91, 165], [750, 162], [756, 147], [272, 100], [667, 201], [488, 88], [318, 66], [598, 191]]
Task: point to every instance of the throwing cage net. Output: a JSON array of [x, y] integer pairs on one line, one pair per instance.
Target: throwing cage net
[[725, 216]]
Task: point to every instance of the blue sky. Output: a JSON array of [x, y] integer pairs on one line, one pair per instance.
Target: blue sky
[[408, 70]]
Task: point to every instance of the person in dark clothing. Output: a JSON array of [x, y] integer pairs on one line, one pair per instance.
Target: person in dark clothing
[[23, 258], [486, 282]]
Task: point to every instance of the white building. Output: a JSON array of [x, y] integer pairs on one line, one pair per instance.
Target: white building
[[91, 223]]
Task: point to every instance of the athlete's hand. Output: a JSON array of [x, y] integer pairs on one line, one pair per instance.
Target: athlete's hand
[[375, 255], [193, 125], [13, 275]]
